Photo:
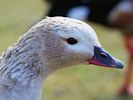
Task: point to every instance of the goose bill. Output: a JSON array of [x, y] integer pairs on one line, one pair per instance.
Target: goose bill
[[103, 58]]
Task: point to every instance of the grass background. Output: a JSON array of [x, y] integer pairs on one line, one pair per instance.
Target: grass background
[[76, 83]]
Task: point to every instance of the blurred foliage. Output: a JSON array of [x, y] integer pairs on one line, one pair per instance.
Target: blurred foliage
[[76, 83]]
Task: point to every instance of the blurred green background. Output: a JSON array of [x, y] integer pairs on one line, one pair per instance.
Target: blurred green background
[[83, 82]]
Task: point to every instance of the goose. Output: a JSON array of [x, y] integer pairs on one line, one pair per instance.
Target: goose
[[51, 44]]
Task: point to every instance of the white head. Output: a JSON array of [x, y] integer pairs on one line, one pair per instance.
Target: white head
[[69, 42]]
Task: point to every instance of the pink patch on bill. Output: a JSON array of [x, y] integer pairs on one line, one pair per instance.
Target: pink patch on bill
[[94, 61]]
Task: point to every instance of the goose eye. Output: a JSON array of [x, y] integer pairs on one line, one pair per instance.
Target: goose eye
[[71, 41]]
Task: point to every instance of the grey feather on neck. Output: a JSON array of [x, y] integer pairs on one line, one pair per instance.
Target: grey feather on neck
[[22, 61]]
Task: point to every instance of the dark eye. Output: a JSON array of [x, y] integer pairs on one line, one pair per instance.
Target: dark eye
[[103, 55], [71, 41]]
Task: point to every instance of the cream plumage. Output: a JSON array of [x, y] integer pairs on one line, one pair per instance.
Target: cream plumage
[[53, 43]]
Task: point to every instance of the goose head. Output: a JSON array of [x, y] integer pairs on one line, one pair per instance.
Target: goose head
[[53, 43], [70, 42]]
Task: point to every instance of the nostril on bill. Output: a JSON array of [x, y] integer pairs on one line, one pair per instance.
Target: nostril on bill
[[103, 55]]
